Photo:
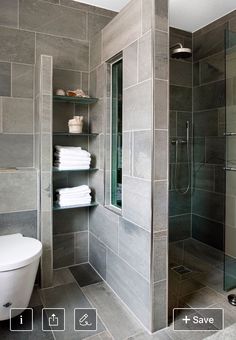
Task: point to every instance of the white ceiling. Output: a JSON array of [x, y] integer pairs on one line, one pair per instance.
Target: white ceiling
[[189, 15]]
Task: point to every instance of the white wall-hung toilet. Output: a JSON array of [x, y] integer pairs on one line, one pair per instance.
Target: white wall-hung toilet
[[19, 260]]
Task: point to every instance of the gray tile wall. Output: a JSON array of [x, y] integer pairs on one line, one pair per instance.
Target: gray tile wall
[[29, 29], [116, 242], [120, 247], [159, 283]]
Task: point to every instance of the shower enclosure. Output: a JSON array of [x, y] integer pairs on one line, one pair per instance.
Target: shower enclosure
[[230, 166], [202, 164]]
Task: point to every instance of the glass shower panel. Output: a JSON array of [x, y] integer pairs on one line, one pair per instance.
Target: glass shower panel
[[230, 167]]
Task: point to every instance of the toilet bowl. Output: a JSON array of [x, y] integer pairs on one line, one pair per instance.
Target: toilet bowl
[[19, 260]]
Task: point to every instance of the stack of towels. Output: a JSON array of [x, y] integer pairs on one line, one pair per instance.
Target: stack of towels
[[70, 158], [80, 195]]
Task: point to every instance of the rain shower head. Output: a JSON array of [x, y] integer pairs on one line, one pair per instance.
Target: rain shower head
[[180, 52]]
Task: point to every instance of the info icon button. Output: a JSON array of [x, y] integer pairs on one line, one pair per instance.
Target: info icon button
[[21, 320], [53, 319]]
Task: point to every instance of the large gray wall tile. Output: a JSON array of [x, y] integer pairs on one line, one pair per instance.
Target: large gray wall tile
[[97, 255], [161, 154], [142, 154], [96, 23], [96, 182], [43, 17], [17, 46], [132, 288], [63, 250], [137, 201], [209, 43], [9, 13], [19, 191], [16, 150], [128, 24], [134, 247], [180, 227], [88, 8], [127, 154], [147, 15], [209, 205], [96, 48], [145, 57], [161, 15], [161, 104], [19, 222], [180, 98], [22, 80], [161, 55], [81, 247], [104, 224], [137, 103], [209, 96], [160, 205], [160, 256], [180, 73], [66, 79], [5, 79], [17, 115], [130, 65], [69, 221], [67, 53], [159, 306]]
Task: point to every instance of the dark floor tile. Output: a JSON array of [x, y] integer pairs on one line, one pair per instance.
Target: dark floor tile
[[69, 297], [85, 275], [37, 334]]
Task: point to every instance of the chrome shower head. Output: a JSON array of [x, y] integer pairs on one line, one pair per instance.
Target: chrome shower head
[[180, 52]]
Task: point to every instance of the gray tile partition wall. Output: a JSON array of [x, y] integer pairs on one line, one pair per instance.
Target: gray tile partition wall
[[120, 245], [28, 29]]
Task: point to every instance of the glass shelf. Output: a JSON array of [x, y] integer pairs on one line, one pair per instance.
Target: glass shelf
[[75, 100], [75, 134], [74, 170], [57, 207]]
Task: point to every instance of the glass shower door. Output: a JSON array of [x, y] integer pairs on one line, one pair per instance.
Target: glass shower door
[[230, 167]]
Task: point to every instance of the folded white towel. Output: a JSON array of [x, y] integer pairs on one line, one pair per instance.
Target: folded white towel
[[74, 153], [79, 189], [72, 148], [73, 156], [74, 163], [68, 204], [74, 195], [74, 199], [71, 167]]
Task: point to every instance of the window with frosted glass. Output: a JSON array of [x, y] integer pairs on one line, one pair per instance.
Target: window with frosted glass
[[116, 135]]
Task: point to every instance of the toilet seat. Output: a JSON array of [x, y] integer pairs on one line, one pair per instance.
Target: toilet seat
[[17, 251]]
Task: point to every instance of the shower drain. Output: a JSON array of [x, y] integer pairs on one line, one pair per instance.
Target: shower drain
[[181, 270]]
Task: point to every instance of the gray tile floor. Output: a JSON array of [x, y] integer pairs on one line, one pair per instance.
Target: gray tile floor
[[115, 321]]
